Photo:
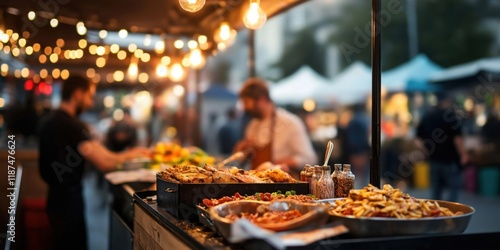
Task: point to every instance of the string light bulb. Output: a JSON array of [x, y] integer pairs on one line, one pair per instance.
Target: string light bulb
[[176, 73], [103, 34], [123, 33], [197, 59], [81, 29], [54, 22], [255, 17], [224, 34], [133, 69], [192, 5], [31, 15], [161, 70]]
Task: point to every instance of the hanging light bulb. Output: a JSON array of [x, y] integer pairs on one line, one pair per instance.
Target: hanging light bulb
[[147, 40], [197, 59], [123, 33], [192, 5], [54, 22], [81, 29], [133, 69], [31, 15], [176, 73], [103, 34], [255, 17], [224, 34], [160, 47], [161, 70]]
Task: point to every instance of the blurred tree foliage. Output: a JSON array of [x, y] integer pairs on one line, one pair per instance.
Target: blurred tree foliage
[[303, 49], [450, 32]]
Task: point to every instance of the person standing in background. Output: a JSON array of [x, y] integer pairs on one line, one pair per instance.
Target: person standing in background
[[274, 134], [65, 147], [357, 144], [440, 132], [122, 134], [228, 135]]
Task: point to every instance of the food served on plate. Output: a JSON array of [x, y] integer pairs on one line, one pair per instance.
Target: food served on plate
[[209, 174], [289, 195], [387, 202]]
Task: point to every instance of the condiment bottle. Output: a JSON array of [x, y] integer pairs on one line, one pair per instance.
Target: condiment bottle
[[346, 181], [314, 179], [335, 177], [325, 186], [308, 173], [303, 173]]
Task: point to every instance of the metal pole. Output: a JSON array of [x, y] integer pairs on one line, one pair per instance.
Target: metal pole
[[197, 124], [411, 13], [251, 53], [376, 95], [186, 127]]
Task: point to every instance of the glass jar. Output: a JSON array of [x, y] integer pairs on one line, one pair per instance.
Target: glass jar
[[335, 177], [345, 181], [325, 186], [316, 175], [309, 173], [303, 173]]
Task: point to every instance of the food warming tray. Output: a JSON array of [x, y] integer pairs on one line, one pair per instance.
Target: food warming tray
[[180, 199]]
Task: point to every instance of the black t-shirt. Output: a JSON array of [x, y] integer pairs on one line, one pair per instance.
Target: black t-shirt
[[61, 165], [438, 130]]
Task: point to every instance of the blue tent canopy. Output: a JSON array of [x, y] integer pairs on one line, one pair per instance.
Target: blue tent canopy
[[411, 76], [469, 73], [216, 91]]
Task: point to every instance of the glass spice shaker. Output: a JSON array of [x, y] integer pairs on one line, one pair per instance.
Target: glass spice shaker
[[314, 179], [335, 177], [308, 173], [303, 173], [325, 186], [346, 180]]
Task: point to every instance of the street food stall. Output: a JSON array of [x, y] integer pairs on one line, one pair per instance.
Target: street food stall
[[182, 198]]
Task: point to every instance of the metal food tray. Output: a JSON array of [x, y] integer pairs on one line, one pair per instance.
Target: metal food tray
[[378, 226], [180, 199], [204, 218], [313, 215]]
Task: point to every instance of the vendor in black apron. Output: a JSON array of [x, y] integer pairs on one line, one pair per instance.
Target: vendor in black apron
[[274, 135]]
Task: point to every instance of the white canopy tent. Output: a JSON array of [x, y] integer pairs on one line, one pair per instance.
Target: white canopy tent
[[350, 86], [297, 87]]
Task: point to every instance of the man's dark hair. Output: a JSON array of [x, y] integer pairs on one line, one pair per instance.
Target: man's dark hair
[[74, 83], [255, 88]]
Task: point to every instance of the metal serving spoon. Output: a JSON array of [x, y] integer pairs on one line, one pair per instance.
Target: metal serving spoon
[[329, 149]]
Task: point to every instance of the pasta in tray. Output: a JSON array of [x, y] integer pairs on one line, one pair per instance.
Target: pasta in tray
[[387, 202], [268, 217]]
